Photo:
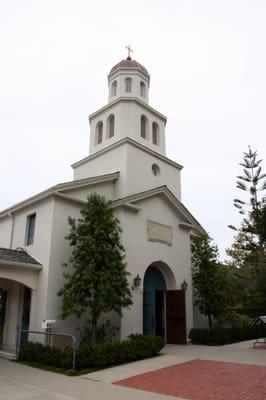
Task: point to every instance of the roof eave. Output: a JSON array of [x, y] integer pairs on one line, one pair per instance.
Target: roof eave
[[19, 265], [58, 188]]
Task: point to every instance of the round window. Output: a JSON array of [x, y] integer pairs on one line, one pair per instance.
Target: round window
[[155, 169]]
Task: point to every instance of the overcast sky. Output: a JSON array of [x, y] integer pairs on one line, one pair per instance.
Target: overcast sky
[[207, 62]]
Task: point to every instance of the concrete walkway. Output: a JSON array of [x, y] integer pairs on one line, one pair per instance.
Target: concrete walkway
[[243, 352], [19, 382]]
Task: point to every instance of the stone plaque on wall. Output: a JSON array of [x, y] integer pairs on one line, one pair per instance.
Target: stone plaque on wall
[[159, 232]]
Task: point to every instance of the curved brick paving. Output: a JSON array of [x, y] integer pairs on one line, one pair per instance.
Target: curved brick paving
[[204, 380]]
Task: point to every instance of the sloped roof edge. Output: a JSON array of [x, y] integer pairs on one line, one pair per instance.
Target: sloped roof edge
[[132, 199], [18, 258], [58, 188]]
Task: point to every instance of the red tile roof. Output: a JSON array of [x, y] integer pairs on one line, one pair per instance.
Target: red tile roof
[[130, 64]]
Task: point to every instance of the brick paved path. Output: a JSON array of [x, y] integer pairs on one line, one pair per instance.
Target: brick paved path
[[204, 380]]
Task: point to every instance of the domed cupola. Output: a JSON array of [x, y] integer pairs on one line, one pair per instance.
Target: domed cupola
[[129, 78], [128, 115]]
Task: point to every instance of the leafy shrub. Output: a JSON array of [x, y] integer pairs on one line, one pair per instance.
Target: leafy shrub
[[221, 336], [46, 355], [105, 354], [104, 332], [233, 319]]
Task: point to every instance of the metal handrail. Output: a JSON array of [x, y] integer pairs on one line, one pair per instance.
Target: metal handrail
[[74, 342]]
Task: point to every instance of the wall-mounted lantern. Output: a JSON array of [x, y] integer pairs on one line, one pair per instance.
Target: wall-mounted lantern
[[136, 281], [184, 285]]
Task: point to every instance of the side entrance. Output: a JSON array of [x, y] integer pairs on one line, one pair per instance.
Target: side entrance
[[164, 311]]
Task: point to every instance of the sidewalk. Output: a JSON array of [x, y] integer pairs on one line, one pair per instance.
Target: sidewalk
[[19, 382], [175, 354]]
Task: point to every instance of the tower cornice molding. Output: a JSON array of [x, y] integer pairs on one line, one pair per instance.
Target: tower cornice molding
[[130, 142], [128, 99]]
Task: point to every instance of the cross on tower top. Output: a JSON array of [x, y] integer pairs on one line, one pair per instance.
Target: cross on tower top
[[129, 50]]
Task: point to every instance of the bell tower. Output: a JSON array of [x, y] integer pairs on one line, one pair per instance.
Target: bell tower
[[127, 113]]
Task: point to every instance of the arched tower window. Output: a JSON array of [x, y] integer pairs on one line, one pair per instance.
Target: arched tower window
[[155, 133], [143, 127], [128, 85], [114, 88], [99, 133], [111, 126], [142, 89]]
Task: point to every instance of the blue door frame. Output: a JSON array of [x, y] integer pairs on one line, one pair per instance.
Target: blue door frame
[[154, 283]]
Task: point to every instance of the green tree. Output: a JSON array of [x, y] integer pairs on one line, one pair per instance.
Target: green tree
[[248, 252], [252, 181], [209, 279], [97, 283]]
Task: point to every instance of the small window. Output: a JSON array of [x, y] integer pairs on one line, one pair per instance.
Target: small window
[[30, 228], [114, 88], [128, 84], [155, 133], [143, 127], [111, 126], [155, 169], [142, 89], [99, 133]]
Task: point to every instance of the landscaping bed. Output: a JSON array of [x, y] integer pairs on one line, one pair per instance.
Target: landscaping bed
[[92, 356], [221, 336]]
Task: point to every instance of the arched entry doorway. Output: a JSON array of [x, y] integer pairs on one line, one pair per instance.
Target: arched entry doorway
[[15, 305], [164, 311], [153, 315]]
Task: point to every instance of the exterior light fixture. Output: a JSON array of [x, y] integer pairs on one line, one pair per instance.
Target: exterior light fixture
[[184, 285], [137, 281]]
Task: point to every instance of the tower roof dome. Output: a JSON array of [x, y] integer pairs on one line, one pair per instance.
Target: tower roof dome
[[130, 64]]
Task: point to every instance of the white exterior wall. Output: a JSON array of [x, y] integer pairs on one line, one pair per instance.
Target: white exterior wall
[[106, 189], [140, 176], [109, 162], [5, 231], [141, 253], [103, 116], [127, 114], [40, 250], [60, 253], [131, 113], [134, 165]]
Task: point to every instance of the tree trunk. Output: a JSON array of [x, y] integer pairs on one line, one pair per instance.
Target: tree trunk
[[94, 330], [210, 321]]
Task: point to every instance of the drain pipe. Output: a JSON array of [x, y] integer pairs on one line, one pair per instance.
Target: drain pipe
[[12, 216]]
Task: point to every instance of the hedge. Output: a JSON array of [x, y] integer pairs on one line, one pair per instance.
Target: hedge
[[221, 336], [93, 355]]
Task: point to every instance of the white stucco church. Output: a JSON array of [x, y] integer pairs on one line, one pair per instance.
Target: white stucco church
[[126, 164]]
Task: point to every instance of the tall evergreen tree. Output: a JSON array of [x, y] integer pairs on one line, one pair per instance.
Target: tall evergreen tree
[[209, 279], [248, 252], [252, 181], [97, 282]]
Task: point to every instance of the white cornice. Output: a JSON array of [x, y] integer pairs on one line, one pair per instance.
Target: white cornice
[[55, 190], [127, 99], [131, 142]]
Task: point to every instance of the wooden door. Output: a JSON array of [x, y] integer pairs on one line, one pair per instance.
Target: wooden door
[[175, 317]]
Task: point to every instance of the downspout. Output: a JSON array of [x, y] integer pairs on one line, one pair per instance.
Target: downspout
[[11, 215]]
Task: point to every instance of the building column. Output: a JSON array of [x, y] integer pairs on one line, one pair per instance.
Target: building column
[[32, 324]]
